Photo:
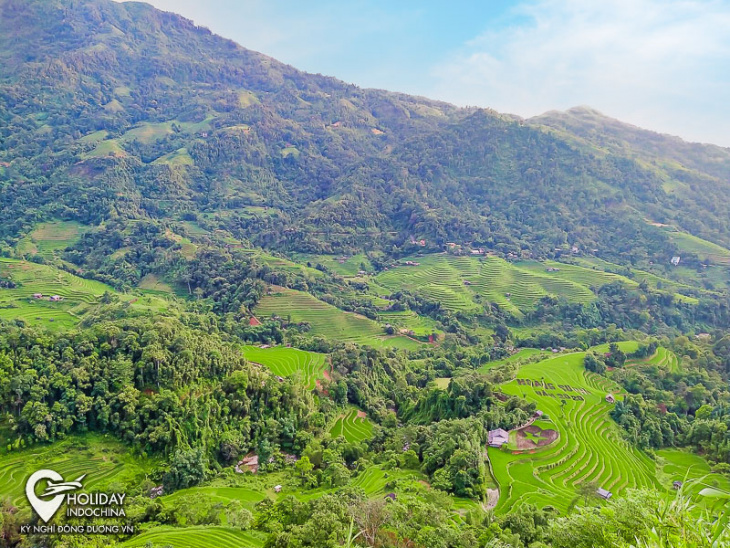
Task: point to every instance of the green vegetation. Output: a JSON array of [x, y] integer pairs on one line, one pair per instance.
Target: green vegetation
[[196, 537], [706, 251], [353, 425], [49, 239], [324, 319], [77, 296], [286, 362], [106, 462], [405, 262], [590, 449], [458, 282]]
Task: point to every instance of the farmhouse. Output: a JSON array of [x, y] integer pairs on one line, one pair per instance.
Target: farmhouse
[[601, 492], [677, 484], [277, 489], [253, 321], [610, 398], [675, 260], [56, 298], [37, 295], [498, 437]]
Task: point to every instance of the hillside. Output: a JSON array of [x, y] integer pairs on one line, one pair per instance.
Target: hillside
[[152, 117]]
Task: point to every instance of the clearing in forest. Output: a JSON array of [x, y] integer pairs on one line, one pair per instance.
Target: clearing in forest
[[285, 362], [353, 425]]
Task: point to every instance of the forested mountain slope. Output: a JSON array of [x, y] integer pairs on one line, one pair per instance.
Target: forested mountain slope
[[116, 110]]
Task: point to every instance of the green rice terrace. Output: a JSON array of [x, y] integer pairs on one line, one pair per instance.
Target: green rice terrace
[[587, 448], [54, 298], [105, 461], [354, 426], [462, 283], [286, 362], [51, 238], [326, 320], [662, 358], [197, 537]]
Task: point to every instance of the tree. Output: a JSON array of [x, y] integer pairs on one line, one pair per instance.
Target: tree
[[187, 468], [304, 468]]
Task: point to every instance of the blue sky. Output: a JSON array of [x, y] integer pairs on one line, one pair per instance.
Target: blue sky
[[660, 64]]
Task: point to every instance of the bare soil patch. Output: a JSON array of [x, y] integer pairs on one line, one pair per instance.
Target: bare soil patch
[[531, 437]]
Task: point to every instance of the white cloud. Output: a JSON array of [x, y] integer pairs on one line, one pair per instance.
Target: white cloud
[[661, 64]]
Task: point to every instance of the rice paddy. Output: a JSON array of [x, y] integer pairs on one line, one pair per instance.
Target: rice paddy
[[105, 462], [353, 425], [51, 238], [36, 284], [465, 283], [197, 537], [662, 358], [287, 362], [590, 447], [326, 320]]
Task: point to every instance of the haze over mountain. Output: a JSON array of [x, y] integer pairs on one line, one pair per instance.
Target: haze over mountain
[[122, 110]]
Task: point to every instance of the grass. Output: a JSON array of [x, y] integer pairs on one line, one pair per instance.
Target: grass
[[590, 447], [196, 537], [326, 320], [79, 295], [286, 362], [109, 147], [464, 283], [353, 427], [108, 465]]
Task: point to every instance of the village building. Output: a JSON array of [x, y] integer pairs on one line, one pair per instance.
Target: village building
[[498, 437], [610, 398], [56, 298], [603, 493], [677, 485], [37, 295], [676, 260], [250, 462], [277, 489]]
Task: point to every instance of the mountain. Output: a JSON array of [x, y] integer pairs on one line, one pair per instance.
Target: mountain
[[120, 111]]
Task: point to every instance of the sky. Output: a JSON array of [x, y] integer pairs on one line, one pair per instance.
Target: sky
[[659, 64]]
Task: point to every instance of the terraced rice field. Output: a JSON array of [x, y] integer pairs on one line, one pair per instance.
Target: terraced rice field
[[197, 537], [248, 497], [78, 295], [705, 250], [662, 358], [286, 362], [325, 320], [353, 427], [410, 321], [49, 239], [104, 463], [678, 465], [459, 283], [32, 278], [520, 356], [590, 447]]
